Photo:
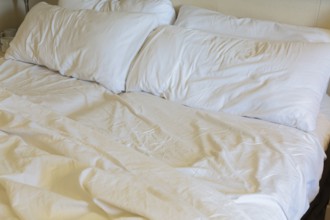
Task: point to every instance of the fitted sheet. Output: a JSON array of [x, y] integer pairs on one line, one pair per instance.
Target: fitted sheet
[[70, 149]]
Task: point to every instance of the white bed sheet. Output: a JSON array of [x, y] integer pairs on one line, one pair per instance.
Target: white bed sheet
[[70, 149]]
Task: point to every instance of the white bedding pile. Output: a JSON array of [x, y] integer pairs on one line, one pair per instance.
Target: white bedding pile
[[88, 143], [72, 150]]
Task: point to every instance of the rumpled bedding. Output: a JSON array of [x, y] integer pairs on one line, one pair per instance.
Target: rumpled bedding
[[72, 150], [276, 81]]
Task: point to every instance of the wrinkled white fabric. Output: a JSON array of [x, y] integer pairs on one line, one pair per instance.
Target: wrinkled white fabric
[[72, 150], [84, 44], [218, 23], [215, 22], [281, 82]]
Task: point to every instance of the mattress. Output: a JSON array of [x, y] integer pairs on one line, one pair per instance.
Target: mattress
[[73, 150]]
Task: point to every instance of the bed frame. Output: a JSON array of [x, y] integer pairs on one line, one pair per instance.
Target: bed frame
[[318, 207]]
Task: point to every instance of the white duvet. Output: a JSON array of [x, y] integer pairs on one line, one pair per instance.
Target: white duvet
[[71, 150]]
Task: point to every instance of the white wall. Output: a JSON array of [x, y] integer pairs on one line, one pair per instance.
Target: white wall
[[304, 12], [12, 12], [324, 16]]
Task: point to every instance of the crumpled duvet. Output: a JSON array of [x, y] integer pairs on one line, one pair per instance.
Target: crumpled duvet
[[150, 159]]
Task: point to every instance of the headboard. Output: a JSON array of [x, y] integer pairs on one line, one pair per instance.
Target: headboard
[[299, 12]]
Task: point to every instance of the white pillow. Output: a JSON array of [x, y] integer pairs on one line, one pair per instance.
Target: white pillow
[[281, 82], [163, 9], [85, 44], [218, 23]]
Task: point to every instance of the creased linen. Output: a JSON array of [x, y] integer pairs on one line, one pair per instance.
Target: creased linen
[[72, 150]]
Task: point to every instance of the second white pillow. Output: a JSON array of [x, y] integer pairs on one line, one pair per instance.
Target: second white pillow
[[281, 82]]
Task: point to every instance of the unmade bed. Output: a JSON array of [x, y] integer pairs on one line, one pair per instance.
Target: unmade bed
[[168, 130]]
